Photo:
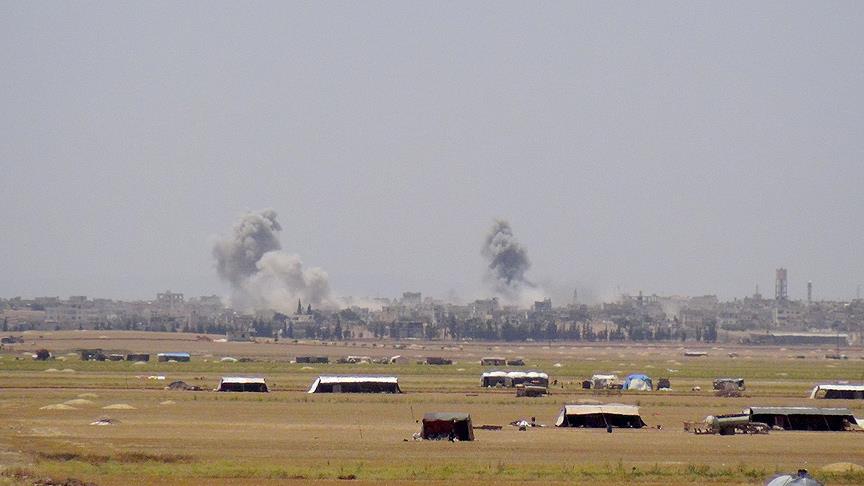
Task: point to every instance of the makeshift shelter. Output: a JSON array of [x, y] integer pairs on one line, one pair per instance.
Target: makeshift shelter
[[514, 378], [137, 357], [182, 385], [724, 383], [398, 359], [447, 426], [312, 359], [600, 416], [355, 384], [493, 361], [242, 384], [848, 392], [179, 357], [516, 362], [92, 355], [604, 381], [437, 360], [803, 418], [638, 381]]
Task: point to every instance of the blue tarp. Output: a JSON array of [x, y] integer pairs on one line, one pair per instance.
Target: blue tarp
[[637, 377]]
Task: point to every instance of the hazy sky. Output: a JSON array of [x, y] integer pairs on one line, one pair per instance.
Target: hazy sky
[[668, 147]]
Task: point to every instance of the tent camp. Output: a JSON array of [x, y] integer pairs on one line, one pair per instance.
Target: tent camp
[[850, 392], [355, 384], [802, 418], [242, 384], [638, 381], [600, 416], [604, 381], [514, 378], [446, 426]]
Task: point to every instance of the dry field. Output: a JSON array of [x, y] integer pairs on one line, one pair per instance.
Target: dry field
[[288, 436]]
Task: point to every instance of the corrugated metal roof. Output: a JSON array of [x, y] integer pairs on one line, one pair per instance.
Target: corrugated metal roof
[[797, 411]]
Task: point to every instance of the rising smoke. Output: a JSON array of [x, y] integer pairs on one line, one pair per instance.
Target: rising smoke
[[508, 262], [261, 274]]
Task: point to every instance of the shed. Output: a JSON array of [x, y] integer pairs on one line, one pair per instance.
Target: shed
[[179, 357], [355, 384], [638, 381], [803, 418], [600, 416], [848, 392], [242, 384], [445, 425]]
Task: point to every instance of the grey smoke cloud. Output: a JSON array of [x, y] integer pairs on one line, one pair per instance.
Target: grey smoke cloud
[[508, 262], [261, 274]]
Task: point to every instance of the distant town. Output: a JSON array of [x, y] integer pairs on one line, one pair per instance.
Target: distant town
[[755, 319]]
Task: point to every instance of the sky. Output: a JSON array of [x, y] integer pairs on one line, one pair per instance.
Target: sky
[[668, 147]]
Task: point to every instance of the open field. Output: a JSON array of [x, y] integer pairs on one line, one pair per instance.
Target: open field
[[289, 436]]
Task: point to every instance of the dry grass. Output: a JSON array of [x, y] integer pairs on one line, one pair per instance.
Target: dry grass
[[289, 436]]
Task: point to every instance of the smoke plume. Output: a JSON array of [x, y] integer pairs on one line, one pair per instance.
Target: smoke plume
[[261, 274], [508, 262]]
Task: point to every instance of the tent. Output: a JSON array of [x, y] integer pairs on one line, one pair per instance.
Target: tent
[[604, 381], [801, 478], [721, 383], [241, 384], [514, 378], [600, 416], [839, 391], [638, 382], [179, 357], [803, 418], [443, 426], [355, 384]]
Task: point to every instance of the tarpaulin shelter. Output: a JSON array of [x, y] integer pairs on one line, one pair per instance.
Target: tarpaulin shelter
[[242, 384], [638, 381], [803, 418], [600, 416], [179, 357], [849, 392], [514, 378], [446, 426], [355, 384], [604, 380], [722, 383]]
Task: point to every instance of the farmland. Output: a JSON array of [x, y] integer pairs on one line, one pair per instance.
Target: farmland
[[286, 436]]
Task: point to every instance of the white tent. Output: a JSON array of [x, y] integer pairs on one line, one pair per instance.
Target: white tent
[[355, 384], [839, 391]]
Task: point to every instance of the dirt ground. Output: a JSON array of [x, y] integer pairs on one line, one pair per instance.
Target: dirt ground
[[289, 436]]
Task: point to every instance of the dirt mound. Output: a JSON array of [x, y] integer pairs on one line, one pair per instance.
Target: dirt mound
[[118, 406], [79, 402], [167, 402], [88, 395], [52, 370], [58, 406]]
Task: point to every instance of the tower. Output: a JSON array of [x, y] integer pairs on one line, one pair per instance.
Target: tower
[[780, 289]]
